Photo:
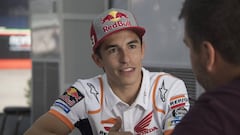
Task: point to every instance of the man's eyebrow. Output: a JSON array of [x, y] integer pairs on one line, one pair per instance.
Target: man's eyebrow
[[133, 41], [109, 46], [114, 45]]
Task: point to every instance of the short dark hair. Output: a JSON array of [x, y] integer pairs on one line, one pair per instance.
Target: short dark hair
[[216, 21], [97, 50]]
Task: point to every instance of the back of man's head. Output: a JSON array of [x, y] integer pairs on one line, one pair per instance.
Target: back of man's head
[[216, 21]]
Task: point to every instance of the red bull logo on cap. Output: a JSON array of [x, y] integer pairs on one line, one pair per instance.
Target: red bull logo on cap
[[117, 19], [71, 96], [114, 16]]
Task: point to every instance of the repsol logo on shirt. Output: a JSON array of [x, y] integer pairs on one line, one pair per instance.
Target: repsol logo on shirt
[[178, 101]]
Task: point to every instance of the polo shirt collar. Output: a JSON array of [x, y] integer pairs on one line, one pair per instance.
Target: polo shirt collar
[[143, 96], [110, 98]]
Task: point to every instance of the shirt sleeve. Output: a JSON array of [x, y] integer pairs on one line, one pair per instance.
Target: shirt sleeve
[[177, 102], [66, 107]]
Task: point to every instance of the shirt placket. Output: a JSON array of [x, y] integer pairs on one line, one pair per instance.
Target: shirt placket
[[128, 120]]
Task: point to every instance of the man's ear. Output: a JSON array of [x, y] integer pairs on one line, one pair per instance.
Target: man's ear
[[209, 55], [97, 60]]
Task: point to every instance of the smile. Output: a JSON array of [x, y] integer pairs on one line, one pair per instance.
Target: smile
[[127, 69]]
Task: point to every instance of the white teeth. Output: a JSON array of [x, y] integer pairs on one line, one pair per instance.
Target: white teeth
[[127, 69]]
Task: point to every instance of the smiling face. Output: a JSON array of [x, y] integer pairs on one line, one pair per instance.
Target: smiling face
[[121, 56]]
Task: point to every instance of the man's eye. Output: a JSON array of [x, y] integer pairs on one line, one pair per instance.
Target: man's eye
[[112, 50], [132, 46]]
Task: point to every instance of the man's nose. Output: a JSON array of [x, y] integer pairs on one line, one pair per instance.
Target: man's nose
[[125, 56]]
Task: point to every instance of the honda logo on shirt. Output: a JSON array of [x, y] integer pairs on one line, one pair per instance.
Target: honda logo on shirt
[[142, 127]]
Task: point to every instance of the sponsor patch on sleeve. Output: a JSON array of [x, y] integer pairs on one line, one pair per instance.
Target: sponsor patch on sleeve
[[71, 96], [179, 112], [173, 121], [62, 106], [178, 101]]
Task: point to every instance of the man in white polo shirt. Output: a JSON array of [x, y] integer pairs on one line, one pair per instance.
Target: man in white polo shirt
[[127, 98]]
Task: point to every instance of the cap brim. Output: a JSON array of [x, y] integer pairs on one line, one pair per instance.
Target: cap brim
[[140, 31]]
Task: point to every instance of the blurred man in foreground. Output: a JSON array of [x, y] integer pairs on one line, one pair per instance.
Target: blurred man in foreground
[[212, 34]]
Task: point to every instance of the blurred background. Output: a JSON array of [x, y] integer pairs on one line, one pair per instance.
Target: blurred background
[[15, 49], [45, 47]]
